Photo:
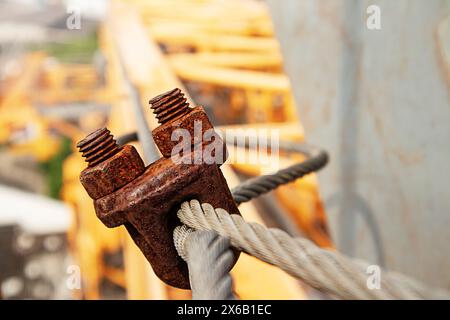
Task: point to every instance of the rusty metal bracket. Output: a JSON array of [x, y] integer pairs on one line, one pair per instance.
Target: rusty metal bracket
[[145, 199]]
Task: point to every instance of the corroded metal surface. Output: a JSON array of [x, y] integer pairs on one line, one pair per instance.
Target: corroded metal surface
[[148, 206], [146, 200], [173, 112], [115, 168]]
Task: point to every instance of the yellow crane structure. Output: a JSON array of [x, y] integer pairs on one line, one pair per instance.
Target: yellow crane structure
[[216, 47]]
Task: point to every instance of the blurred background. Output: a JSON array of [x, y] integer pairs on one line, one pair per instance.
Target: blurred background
[[369, 85]]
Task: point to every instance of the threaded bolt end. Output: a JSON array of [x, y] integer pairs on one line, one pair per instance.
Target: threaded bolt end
[[98, 146], [169, 106]]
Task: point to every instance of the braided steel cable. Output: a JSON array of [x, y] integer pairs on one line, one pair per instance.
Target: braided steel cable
[[327, 271], [209, 260], [257, 186]]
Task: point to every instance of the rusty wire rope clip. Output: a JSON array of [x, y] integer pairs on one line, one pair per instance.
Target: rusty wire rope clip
[[146, 199]]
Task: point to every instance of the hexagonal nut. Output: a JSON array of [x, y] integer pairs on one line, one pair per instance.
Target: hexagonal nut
[[162, 135], [113, 173]]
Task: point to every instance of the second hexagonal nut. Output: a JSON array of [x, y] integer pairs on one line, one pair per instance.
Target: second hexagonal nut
[[113, 173]]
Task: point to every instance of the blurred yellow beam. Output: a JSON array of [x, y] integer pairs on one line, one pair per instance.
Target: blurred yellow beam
[[247, 60], [115, 275], [292, 131], [220, 25], [232, 78], [202, 41], [236, 16]]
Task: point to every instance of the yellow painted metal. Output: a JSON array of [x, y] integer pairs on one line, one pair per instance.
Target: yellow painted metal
[[243, 60], [14, 105], [230, 77], [41, 144], [302, 202], [223, 17], [88, 237], [213, 42]]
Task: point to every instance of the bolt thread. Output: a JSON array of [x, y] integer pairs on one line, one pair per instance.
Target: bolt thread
[[169, 106], [98, 146]]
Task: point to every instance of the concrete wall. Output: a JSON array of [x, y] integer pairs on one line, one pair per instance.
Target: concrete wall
[[378, 101]]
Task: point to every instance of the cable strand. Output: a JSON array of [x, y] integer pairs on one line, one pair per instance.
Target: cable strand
[[209, 259], [257, 186], [325, 270]]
